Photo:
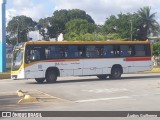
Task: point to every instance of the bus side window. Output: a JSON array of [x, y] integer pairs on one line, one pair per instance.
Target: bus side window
[[108, 51], [27, 57], [47, 53], [33, 55], [147, 49], [81, 51], [72, 51], [91, 51], [125, 50], [52, 52], [140, 50]]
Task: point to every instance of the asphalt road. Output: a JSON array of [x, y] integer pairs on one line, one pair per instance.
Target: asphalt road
[[134, 92]]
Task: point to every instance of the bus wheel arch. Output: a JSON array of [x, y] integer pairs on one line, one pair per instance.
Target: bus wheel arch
[[116, 71], [51, 74]]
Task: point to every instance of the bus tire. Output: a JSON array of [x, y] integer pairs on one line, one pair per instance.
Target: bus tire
[[40, 80], [102, 77], [51, 76], [116, 73]]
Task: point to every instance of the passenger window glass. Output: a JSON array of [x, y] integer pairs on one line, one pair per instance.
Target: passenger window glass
[[72, 51], [140, 50], [91, 51], [52, 52], [125, 50], [33, 55], [108, 51]]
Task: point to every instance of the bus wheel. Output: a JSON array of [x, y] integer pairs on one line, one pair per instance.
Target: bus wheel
[[40, 80], [102, 77], [51, 76], [116, 73]]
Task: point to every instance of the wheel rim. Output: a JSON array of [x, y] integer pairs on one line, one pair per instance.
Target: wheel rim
[[116, 73], [51, 77]]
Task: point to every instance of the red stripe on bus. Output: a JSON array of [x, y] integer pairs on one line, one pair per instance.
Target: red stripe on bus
[[54, 61], [139, 59], [126, 59], [60, 60]]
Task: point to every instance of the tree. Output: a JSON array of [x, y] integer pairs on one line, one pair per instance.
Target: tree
[[136, 26], [19, 27], [11, 40], [148, 22], [156, 48], [79, 27], [45, 22], [110, 25], [43, 30], [76, 13], [61, 17], [118, 26]]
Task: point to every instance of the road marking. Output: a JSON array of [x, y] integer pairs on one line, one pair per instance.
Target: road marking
[[110, 90], [54, 97], [115, 98], [103, 99], [8, 93]]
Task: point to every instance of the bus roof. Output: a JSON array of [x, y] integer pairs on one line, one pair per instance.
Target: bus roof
[[87, 42]]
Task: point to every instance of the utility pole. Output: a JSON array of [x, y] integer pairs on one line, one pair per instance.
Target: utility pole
[[2, 35], [17, 32], [131, 29]]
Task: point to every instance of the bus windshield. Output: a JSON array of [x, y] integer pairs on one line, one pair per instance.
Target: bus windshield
[[17, 59]]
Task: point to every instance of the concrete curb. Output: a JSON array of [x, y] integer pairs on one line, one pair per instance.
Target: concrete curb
[[155, 70], [5, 75], [26, 98]]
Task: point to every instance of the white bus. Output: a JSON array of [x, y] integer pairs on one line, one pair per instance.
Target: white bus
[[45, 60]]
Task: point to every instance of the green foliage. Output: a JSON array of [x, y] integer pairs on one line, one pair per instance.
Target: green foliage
[[88, 37], [61, 17], [77, 25], [113, 36], [139, 24], [71, 36], [148, 22], [156, 48], [110, 25], [11, 40], [45, 22], [19, 27], [76, 13], [119, 27], [85, 37]]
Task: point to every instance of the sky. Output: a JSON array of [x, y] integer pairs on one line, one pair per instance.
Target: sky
[[99, 10]]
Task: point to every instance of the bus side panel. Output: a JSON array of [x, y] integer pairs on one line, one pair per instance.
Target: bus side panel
[[71, 68], [142, 66], [34, 71], [92, 67], [77, 68], [18, 74], [103, 66], [66, 67]]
